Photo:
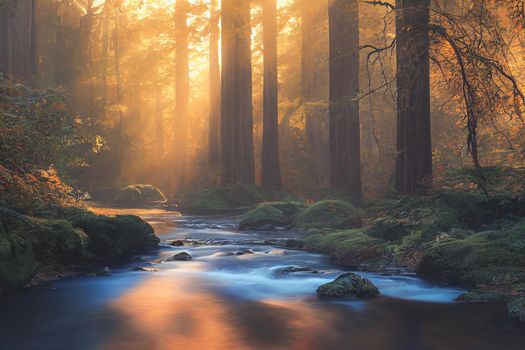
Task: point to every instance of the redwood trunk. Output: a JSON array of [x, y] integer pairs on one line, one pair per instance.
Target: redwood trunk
[[237, 163], [271, 174], [345, 134], [414, 147], [182, 88], [214, 152], [18, 36]]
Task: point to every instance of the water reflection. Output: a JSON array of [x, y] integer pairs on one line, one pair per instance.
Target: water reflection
[[220, 301]]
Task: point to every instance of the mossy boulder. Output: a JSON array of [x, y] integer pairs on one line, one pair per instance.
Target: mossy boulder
[[270, 214], [388, 229], [348, 285], [330, 214], [288, 208], [54, 241], [140, 195], [517, 309], [219, 200], [261, 216], [115, 237], [350, 248]]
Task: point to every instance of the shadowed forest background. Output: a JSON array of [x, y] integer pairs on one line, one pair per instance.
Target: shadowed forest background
[[139, 85]]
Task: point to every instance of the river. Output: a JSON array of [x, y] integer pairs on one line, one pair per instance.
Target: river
[[223, 299]]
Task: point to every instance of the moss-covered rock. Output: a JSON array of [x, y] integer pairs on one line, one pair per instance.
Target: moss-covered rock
[[290, 208], [115, 237], [348, 285], [261, 216], [52, 240], [350, 248], [517, 309], [330, 214], [457, 259], [223, 199], [388, 228], [140, 195]]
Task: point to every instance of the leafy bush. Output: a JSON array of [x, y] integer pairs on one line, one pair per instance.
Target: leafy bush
[[37, 130]]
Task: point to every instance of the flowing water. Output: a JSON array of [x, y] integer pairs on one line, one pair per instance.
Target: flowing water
[[221, 300]]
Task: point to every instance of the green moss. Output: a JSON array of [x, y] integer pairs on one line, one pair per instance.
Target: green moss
[[263, 215], [52, 240], [290, 208], [115, 237], [388, 228], [330, 214], [221, 199], [350, 247]]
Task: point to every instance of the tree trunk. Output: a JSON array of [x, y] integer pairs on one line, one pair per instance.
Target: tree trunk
[[182, 89], [19, 44], [345, 133], [271, 173], [4, 40], [414, 146], [237, 163], [214, 152], [315, 123]]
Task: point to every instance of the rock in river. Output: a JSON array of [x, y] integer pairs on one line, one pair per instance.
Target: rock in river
[[294, 269], [182, 256], [348, 285]]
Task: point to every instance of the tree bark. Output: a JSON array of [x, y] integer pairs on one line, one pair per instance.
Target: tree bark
[[182, 89], [414, 146], [214, 152], [271, 173], [19, 44], [237, 161], [315, 123], [345, 133]]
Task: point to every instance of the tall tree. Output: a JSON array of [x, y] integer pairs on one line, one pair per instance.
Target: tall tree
[[214, 152], [182, 87], [18, 39], [345, 133], [315, 123], [237, 163], [414, 146], [271, 174]]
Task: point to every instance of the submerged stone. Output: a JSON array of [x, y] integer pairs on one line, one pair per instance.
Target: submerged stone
[[348, 285], [295, 269]]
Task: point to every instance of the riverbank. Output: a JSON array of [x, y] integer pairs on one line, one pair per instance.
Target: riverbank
[[45, 233], [459, 234]]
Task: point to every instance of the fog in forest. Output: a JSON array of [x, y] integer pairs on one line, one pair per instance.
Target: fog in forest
[[142, 79]]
